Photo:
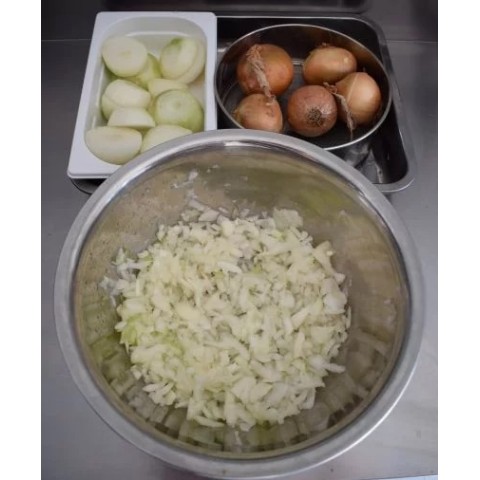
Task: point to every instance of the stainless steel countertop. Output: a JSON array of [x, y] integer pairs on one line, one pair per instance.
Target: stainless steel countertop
[[76, 444]]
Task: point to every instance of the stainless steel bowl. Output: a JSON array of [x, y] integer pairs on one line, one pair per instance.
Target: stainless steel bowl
[[257, 170], [299, 40]]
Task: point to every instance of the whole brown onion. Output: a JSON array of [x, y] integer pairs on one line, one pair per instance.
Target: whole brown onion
[[259, 112], [265, 68], [359, 99], [328, 64], [311, 111]]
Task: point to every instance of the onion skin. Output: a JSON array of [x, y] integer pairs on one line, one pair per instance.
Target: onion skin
[[265, 68], [328, 64], [259, 112], [311, 111], [362, 97]]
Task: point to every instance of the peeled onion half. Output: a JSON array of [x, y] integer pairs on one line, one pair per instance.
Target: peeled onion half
[[183, 59], [162, 133], [160, 85], [124, 56], [115, 145], [123, 93], [150, 71], [178, 107], [132, 117]]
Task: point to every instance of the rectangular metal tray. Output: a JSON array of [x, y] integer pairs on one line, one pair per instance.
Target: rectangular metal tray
[[391, 163]]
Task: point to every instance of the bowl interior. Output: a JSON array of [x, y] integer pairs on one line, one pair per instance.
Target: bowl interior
[[299, 41], [236, 177]]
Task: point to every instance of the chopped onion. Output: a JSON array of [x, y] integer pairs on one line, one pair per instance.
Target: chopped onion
[[203, 321]]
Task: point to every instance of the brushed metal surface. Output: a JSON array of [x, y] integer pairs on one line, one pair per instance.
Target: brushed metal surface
[[400, 19]]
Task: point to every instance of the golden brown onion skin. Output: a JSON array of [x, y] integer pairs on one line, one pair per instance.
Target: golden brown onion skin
[[259, 112], [311, 111], [328, 64], [362, 96], [265, 68]]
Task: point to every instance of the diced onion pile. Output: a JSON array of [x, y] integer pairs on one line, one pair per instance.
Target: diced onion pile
[[236, 320]]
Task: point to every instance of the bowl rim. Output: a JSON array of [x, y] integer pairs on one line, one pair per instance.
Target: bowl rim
[[334, 148], [276, 466]]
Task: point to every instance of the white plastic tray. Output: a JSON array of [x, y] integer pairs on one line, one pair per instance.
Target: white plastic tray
[[155, 30]]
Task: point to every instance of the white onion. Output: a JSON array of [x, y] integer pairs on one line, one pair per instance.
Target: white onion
[[108, 106], [150, 71], [178, 56], [132, 117], [197, 67], [157, 86], [122, 93], [178, 107], [162, 133], [124, 56], [115, 145]]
